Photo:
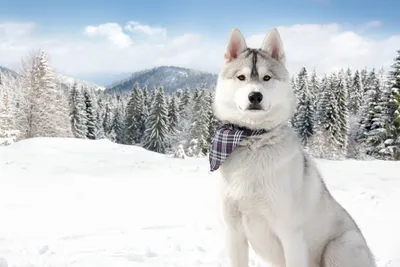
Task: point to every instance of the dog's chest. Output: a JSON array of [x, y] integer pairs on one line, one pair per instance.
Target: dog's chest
[[253, 178]]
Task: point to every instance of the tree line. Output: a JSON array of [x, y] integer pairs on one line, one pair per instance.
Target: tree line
[[343, 114]]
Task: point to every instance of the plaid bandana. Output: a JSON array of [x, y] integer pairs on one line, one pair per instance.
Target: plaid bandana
[[226, 139]]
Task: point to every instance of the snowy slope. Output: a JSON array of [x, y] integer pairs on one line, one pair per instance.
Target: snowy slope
[[69, 202], [169, 77], [68, 82]]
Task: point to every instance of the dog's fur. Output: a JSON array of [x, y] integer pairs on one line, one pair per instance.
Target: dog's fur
[[273, 197]]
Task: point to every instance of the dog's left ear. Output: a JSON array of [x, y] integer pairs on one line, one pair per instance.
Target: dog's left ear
[[273, 46]]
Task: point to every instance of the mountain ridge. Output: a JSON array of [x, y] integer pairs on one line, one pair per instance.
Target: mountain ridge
[[171, 78]]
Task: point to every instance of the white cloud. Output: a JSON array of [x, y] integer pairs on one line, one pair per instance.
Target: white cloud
[[325, 47], [133, 26], [12, 30], [112, 31], [329, 47], [373, 24]]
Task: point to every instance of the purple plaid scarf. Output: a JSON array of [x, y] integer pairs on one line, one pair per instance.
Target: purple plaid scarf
[[226, 139]]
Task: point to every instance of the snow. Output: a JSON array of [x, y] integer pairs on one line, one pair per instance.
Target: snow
[[94, 203], [69, 82]]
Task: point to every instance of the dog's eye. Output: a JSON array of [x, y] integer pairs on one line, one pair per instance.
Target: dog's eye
[[267, 78], [241, 77]]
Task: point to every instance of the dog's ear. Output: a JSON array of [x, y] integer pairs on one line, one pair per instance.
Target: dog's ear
[[273, 46], [236, 45]]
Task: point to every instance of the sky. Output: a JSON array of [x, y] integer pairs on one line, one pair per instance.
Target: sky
[[101, 41]]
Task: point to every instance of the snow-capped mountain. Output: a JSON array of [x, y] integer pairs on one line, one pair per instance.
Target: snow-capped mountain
[[169, 77], [67, 83], [8, 71]]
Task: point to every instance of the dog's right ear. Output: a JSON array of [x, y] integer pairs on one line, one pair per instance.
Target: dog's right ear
[[236, 45]]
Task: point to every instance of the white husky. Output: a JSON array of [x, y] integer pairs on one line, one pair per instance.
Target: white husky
[[273, 197]]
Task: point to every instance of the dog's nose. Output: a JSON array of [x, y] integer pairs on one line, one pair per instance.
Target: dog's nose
[[255, 98]]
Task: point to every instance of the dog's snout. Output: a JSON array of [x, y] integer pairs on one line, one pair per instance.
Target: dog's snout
[[255, 98]]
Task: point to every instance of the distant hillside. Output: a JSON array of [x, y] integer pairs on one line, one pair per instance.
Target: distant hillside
[[66, 82], [8, 71], [169, 77]]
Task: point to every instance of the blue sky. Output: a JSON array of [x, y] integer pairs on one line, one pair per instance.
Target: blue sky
[[206, 23], [205, 16]]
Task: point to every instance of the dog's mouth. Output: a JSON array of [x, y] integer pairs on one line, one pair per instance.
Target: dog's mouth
[[254, 107]]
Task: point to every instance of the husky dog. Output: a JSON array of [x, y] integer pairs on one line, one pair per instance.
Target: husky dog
[[273, 196]]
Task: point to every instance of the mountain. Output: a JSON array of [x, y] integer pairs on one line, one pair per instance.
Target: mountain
[[67, 83], [8, 71], [169, 77]]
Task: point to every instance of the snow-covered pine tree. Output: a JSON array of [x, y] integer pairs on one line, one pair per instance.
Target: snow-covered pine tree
[[79, 116], [147, 102], [184, 102], [378, 133], [118, 124], [343, 114], [305, 113], [324, 143], [368, 109], [173, 115], [348, 79], [212, 119], [156, 134], [91, 119], [49, 110], [392, 142], [100, 116], [8, 132], [356, 89], [174, 124], [134, 121], [199, 129], [314, 87], [108, 119], [294, 86], [364, 80]]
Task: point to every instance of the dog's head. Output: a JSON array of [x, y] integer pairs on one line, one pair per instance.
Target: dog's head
[[253, 88]]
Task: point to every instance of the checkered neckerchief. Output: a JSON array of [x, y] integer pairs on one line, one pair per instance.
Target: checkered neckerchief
[[226, 139]]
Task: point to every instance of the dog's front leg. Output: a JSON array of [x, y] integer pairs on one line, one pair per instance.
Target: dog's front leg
[[236, 241], [237, 246], [295, 249]]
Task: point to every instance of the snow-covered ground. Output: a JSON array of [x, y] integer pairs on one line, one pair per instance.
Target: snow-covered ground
[[69, 202]]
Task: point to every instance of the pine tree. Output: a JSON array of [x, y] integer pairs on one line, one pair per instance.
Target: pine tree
[[304, 124], [348, 81], [108, 120], [294, 86], [48, 107], [199, 129], [91, 120], [355, 94], [8, 133], [369, 110], [392, 142], [147, 102], [118, 125], [100, 118], [156, 133], [212, 119], [314, 87], [134, 121], [343, 115], [364, 81], [324, 143], [184, 102], [173, 115], [79, 116]]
